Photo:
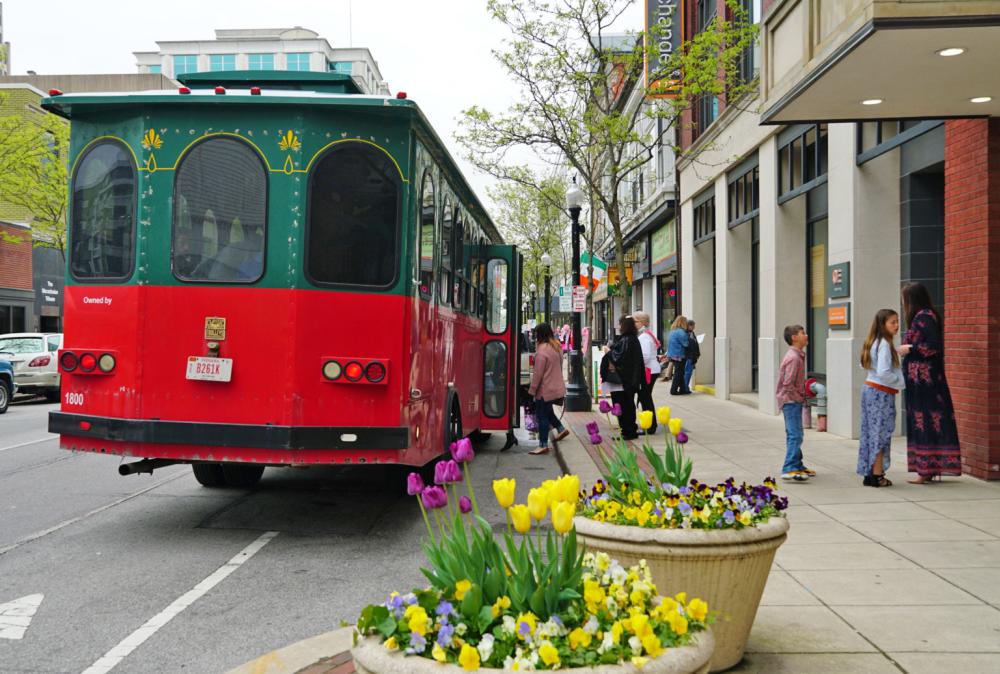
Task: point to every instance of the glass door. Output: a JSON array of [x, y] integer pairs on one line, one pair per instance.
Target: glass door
[[816, 263]]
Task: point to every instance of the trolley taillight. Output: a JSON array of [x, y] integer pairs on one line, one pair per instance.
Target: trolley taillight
[[355, 370]]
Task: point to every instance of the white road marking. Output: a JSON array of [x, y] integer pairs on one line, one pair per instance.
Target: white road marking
[[110, 659], [45, 532], [15, 616], [30, 442]]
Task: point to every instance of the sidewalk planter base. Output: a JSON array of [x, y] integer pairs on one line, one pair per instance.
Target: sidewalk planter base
[[371, 657], [727, 568]]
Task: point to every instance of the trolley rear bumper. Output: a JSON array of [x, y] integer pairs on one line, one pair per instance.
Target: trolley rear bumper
[[228, 435]]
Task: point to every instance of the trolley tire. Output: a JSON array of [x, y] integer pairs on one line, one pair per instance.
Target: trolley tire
[[52, 396], [453, 429], [4, 396], [209, 474], [242, 475]]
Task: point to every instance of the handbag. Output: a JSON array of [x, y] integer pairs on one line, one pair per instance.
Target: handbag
[[530, 422], [608, 373]]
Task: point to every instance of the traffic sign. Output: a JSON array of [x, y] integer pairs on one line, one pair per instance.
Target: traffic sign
[[579, 299], [565, 300]]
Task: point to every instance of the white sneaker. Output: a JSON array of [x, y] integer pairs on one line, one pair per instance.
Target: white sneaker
[[796, 475]]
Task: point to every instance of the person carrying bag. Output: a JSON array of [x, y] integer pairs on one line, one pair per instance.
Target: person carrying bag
[[547, 386]]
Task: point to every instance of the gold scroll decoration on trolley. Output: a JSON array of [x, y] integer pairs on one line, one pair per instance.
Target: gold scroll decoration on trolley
[[215, 328]]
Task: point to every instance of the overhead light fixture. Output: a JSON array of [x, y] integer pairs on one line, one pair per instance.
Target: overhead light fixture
[[981, 99], [871, 101], [951, 51]]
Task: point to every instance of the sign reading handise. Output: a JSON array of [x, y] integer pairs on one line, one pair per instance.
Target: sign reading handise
[[664, 23], [215, 328]]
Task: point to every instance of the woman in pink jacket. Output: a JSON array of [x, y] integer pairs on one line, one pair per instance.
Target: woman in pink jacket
[[547, 385]]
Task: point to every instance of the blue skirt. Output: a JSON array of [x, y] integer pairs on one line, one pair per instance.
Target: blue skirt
[[878, 421]]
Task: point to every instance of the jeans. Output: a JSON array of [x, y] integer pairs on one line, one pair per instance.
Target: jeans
[[677, 385], [688, 373], [646, 399], [547, 420], [793, 437]]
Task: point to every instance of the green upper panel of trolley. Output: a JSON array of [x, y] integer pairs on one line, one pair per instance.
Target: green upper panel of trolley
[[329, 83]]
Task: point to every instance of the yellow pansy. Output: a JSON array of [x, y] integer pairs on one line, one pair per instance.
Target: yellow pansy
[[528, 619], [468, 658], [504, 490], [675, 426], [651, 644], [521, 518], [593, 594], [745, 518], [640, 625], [678, 623], [538, 503], [549, 654], [697, 609], [579, 638], [639, 661], [500, 605], [641, 517], [663, 414], [681, 598], [616, 632], [416, 619], [438, 653], [645, 420], [461, 587], [391, 644], [562, 516]]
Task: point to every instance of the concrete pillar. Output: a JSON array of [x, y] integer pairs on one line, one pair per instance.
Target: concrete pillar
[[738, 314]]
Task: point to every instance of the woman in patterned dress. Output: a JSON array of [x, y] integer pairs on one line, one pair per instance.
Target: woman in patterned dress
[[931, 435]]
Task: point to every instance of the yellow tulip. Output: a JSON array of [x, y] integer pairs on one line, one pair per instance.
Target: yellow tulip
[[537, 503], [645, 420], [461, 587], [663, 414], [521, 518], [549, 654], [468, 658], [566, 488], [562, 516], [675, 426], [504, 490]]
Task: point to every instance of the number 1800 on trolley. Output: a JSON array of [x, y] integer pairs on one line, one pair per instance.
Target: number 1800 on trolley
[[269, 268]]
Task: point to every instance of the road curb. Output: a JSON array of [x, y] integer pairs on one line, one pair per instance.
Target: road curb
[[299, 655]]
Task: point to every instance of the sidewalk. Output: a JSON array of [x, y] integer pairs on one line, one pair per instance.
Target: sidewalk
[[903, 578]]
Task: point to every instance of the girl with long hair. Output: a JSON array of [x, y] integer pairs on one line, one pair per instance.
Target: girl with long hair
[[547, 385], [878, 398], [932, 447]]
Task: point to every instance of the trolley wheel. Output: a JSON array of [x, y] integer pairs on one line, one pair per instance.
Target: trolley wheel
[[453, 431], [52, 396], [4, 396], [478, 437], [209, 474], [242, 475]]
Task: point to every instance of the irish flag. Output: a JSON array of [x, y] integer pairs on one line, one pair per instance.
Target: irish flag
[[600, 266]]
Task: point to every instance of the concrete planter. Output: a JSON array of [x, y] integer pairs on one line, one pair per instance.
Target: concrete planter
[[727, 568], [370, 657]]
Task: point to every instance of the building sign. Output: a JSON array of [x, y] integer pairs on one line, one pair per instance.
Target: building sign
[[664, 248], [664, 23], [613, 274], [839, 279], [838, 316]]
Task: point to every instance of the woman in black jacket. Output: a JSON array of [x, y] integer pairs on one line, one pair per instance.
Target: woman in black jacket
[[626, 357]]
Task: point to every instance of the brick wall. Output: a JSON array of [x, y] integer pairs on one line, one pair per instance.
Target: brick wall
[[15, 258], [972, 288]]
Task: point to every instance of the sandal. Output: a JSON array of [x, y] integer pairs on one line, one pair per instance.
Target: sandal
[[879, 481], [924, 479], [539, 451]]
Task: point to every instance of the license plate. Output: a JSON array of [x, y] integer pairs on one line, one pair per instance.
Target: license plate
[[209, 369]]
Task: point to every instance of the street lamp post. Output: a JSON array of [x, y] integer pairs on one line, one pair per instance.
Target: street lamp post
[[547, 263], [577, 395], [534, 303]]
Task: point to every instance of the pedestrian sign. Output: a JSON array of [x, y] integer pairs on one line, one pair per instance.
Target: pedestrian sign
[[565, 300]]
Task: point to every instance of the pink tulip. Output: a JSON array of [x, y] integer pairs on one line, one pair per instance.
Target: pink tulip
[[464, 504], [462, 451], [414, 484], [434, 497]]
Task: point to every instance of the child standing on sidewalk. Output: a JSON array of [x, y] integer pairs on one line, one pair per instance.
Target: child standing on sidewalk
[[878, 398], [790, 394]]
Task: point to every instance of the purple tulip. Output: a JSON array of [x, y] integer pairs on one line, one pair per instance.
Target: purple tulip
[[616, 410], [464, 504], [682, 437], [604, 406], [446, 472], [434, 497], [593, 428], [596, 439], [462, 450], [414, 484]]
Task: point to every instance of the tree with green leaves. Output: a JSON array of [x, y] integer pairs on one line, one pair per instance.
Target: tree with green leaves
[[34, 173], [572, 70]]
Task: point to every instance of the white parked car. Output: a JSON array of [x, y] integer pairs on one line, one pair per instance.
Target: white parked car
[[33, 355]]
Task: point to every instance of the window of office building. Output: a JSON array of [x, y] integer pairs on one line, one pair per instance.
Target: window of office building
[[260, 61], [156, 70], [185, 63], [876, 138], [297, 61], [222, 62], [12, 318], [342, 67], [704, 217], [743, 201], [802, 160]]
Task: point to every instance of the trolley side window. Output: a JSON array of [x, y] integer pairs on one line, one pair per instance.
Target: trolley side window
[[426, 256], [353, 223], [220, 213], [496, 279], [102, 229]]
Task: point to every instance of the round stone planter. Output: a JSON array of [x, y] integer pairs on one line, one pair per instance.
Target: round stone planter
[[727, 568], [371, 657]]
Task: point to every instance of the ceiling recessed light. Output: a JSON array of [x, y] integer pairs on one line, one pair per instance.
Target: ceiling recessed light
[[981, 99], [871, 101], [951, 51]]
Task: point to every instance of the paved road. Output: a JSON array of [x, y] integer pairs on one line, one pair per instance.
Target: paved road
[[111, 554]]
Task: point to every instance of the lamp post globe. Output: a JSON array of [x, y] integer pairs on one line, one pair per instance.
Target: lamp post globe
[[577, 395], [547, 263]]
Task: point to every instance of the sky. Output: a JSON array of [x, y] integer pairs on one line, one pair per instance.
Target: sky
[[437, 51]]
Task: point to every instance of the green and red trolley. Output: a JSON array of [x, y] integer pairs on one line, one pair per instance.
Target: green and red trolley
[[270, 268]]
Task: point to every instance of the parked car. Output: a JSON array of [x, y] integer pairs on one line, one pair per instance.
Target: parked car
[[33, 355], [8, 387]]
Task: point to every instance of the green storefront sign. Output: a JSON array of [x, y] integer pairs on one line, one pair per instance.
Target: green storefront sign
[[664, 247]]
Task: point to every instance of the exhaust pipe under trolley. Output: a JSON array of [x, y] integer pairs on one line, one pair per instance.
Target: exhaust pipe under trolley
[[144, 466]]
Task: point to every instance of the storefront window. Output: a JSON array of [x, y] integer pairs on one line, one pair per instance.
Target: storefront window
[[668, 303], [817, 319]]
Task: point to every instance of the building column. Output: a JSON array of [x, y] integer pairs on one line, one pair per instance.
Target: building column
[[972, 288], [721, 347]]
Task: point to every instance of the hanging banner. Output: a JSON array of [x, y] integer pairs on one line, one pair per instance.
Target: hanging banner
[[664, 23], [664, 248], [600, 267]]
